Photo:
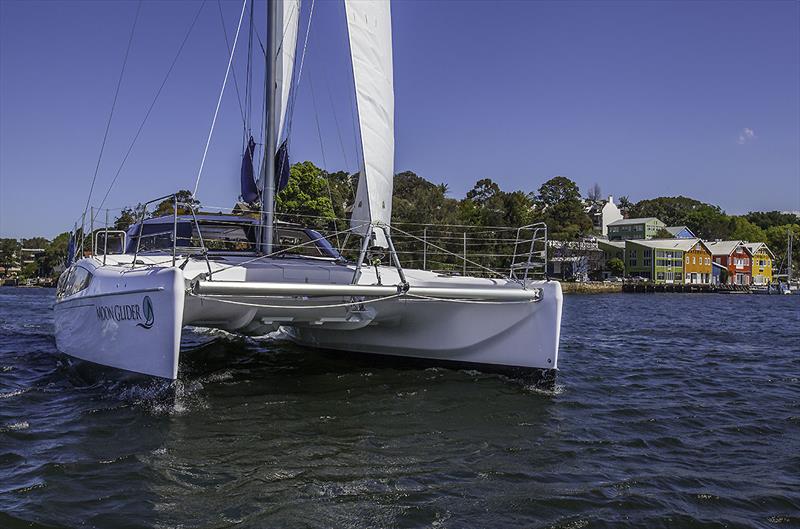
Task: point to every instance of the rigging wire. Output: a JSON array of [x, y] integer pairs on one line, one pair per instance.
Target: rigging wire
[[219, 100], [248, 87], [228, 49], [113, 106], [152, 103]]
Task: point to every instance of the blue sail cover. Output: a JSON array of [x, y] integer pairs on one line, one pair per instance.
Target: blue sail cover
[[70, 250], [282, 169], [249, 189]]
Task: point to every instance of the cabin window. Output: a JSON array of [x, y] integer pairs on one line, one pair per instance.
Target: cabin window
[[225, 237], [687, 259], [72, 281]]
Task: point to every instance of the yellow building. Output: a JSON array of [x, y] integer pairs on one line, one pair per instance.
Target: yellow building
[[762, 263]]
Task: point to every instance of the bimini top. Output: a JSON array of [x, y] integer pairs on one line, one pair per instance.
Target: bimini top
[[223, 233]]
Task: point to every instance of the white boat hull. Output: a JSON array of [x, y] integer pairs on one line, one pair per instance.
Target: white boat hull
[[520, 335], [502, 324], [109, 323]]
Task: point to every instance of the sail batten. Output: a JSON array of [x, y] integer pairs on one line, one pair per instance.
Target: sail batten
[[369, 28]]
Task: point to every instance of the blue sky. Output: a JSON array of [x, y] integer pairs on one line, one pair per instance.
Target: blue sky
[[644, 98]]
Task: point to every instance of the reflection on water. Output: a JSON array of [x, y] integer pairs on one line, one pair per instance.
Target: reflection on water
[[670, 410]]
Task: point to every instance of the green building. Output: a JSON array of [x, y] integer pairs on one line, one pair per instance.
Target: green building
[[658, 260], [625, 229]]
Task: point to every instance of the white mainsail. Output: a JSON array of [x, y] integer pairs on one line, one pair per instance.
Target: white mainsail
[[285, 46], [369, 25]]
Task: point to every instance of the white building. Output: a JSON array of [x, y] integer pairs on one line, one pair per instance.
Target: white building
[[603, 213]]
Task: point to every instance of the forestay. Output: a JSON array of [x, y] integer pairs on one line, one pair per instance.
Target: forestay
[[369, 25]]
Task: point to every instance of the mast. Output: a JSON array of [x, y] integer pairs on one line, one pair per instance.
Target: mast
[[789, 256], [270, 139]]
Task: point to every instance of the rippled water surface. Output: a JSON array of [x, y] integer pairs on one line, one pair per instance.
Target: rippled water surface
[[670, 411]]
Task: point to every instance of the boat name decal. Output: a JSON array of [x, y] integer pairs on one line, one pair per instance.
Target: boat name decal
[[128, 312], [149, 317]]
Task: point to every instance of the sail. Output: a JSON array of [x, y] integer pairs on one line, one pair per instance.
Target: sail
[[369, 26], [248, 185], [285, 45]]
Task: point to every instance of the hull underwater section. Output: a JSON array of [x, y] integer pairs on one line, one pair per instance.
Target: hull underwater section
[[128, 319]]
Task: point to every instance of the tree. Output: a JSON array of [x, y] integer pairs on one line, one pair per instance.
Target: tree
[[594, 193], [55, 254], [127, 217], [615, 266], [305, 199], [744, 230], [776, 240], [9, 253], [624, 205], [559, 202], [768, 219], [662, 233], [483, 191], [186, 201]]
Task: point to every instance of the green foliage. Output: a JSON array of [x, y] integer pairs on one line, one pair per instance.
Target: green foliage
[[663, 234], [616, 266], [55, 254], [744, 230], [127, 217], [768, 219], [624, 206], [705, 220], [35, 242], [167, 206], [29, 271], [305, 199], [673, 211], [559, 201], [9, 252], [416, 200], [776, 240]]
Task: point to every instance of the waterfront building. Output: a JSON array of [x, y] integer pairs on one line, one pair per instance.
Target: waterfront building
[[611, 249], [635, 229], [603, 213], [659, 261], [736, 259], [761, 269], [681, 232], [697, 267], [716, 273]]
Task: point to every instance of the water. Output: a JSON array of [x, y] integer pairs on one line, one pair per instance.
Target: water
[[670, 411]]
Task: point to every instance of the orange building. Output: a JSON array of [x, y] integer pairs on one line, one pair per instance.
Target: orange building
[[697, 262]]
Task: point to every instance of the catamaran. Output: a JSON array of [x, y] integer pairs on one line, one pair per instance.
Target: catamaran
[[126, 302]]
